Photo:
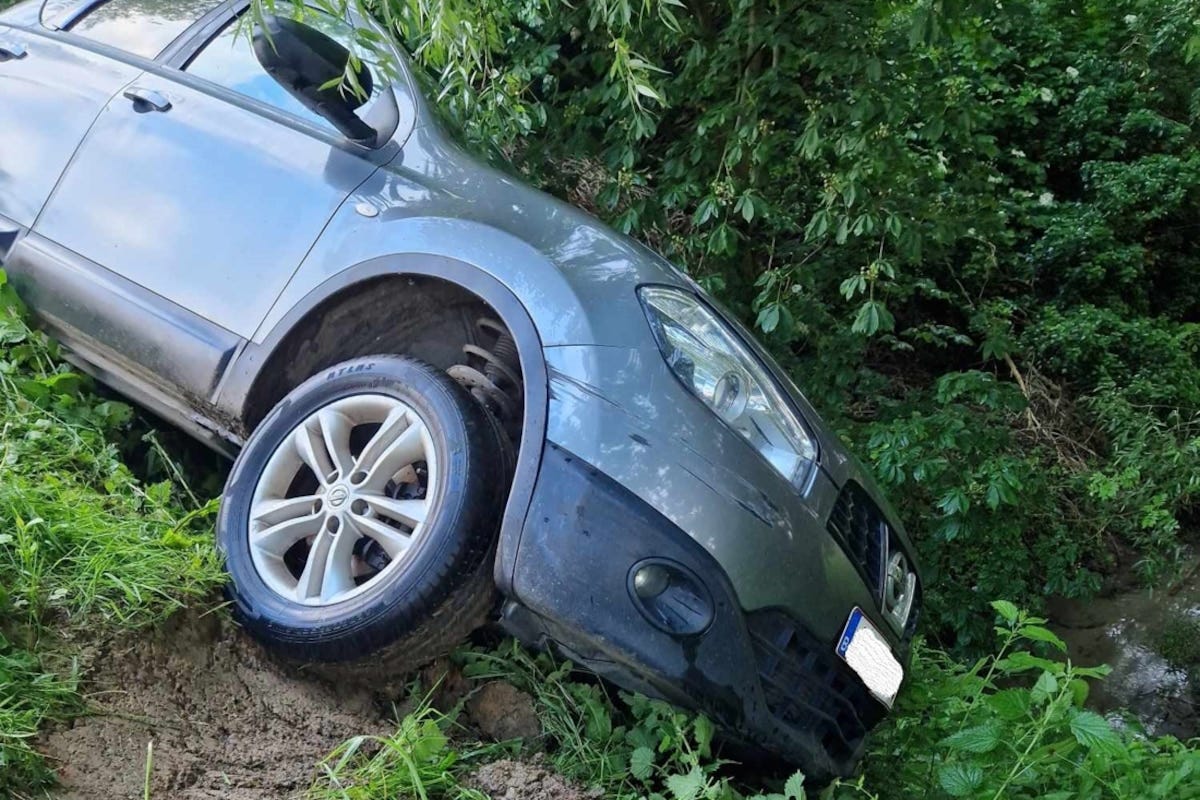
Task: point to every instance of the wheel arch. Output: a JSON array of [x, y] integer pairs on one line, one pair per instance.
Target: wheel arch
[[241, 392]]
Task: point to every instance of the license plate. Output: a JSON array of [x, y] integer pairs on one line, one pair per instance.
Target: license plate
[[870, 656]]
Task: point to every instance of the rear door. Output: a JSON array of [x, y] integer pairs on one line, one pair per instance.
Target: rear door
[[184, 212]]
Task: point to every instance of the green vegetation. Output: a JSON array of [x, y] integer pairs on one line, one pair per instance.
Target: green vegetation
[[1180, 642], [30, 697], [82, 541]]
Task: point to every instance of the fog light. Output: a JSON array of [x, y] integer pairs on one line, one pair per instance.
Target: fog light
[[899, 588], [650, 581], [670, 597]]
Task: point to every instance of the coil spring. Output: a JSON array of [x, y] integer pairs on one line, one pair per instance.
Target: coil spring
[[496, 382]]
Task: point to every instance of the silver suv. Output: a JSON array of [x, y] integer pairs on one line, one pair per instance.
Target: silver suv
[[450, 397]]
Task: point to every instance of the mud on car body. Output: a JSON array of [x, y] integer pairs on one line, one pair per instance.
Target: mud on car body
[[449, 395]]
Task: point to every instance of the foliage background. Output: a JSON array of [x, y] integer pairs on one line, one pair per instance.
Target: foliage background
[[968, 228]]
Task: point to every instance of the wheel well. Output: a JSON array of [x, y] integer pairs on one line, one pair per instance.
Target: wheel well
[[415, 315]]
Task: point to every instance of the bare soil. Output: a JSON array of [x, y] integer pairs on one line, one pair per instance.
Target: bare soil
[[526, 780], [225, 720], [501, 711]]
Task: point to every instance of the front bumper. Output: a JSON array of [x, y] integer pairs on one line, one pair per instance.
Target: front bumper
[[764, 675]]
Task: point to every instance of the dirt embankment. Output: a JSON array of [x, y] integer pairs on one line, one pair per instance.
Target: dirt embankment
[[225, 721]]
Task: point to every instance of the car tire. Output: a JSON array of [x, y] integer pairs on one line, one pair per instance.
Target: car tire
[[421, 545]]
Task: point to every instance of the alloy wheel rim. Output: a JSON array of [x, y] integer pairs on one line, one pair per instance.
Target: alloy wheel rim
[[343, 500]]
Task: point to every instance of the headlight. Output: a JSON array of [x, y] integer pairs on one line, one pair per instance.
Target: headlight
[[712, 361]]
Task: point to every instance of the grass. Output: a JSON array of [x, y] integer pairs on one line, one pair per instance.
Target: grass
[[624, 748], [30, 697], [83, 542], [418, 760]]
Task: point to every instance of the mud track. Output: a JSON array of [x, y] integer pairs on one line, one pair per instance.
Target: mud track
[[226, 721]]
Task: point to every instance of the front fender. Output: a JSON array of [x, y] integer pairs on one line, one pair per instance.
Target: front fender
[[254, 357], [355, 247]]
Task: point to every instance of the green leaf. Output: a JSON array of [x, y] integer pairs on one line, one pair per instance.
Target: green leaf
[[1040, 634], [687, 787], [646, 91], [855, 284], [873, 317], [705, 211], [1046, 686], [768, 318], [704, 731], [641, 763], [1092, 730], [1006, 610], [843, 230], [979, 739], [1080, 690], [794, 788], [426, 741], [745, 205], [1101, 671], [1009, 704], [599, 723], [959, 780], [1022, 661]]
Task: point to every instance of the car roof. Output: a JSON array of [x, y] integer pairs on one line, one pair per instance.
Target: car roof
[[59, 14]]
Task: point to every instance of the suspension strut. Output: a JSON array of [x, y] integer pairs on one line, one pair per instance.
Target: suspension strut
[[493, 375]]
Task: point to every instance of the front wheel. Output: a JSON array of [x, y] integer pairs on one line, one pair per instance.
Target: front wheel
[[360, 516]]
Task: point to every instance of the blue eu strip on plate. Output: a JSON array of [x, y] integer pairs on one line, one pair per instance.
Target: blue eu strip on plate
[[868, 653]]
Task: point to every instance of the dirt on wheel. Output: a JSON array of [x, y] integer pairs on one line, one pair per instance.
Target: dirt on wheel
[[225, 720]]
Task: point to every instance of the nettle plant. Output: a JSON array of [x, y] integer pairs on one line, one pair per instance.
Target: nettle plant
[[1013, 725]]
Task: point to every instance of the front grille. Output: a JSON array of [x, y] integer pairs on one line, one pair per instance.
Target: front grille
[[810, 689], [859, 527]]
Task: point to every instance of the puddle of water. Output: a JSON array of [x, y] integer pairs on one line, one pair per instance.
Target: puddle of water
[[1125, 631]]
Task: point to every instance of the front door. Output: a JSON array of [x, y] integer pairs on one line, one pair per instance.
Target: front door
[[182, 216]]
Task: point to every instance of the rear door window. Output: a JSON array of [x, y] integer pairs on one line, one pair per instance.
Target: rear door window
[[141, 27]]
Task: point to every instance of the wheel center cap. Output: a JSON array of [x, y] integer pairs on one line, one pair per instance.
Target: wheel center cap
[[338, 495]]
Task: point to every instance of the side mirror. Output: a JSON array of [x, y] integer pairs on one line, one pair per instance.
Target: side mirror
[[310, 66]]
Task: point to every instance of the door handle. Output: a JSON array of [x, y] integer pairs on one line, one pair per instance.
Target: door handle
[[10, 51], [143, 98]]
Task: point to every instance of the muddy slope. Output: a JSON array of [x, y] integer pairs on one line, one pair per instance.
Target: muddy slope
[[225, 721]]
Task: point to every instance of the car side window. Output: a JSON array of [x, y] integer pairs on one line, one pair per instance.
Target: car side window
[[228, 60], [141, 27]]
